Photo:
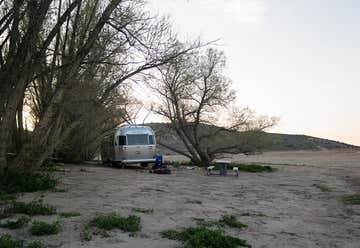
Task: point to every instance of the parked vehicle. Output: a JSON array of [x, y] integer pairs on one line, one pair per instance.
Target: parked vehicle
[[129, 144]]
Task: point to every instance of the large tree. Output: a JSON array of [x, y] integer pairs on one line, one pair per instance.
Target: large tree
[[194, 94]]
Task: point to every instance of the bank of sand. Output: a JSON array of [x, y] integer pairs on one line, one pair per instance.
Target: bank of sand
[[287, 208]]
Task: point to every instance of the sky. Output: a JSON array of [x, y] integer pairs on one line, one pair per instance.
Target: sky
[[298, 60]]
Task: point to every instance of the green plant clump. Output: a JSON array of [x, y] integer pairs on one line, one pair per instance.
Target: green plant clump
[[13, 181], [352, 199], [69, 214], [40, 228], [6, 197], [6, 241], [15, 224], [202, 237], [35, 244], [114, 221], [33, 208], [254, 168], [232, 221]]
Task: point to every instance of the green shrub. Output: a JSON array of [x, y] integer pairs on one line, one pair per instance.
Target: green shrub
[[6, 241], [69, 214], [6, 197], [40, 228], [85, 235], [114, 221], [144, 210], [13, 181], [202, 237], [248, 167], [15, 224], [35, 244], [231, 221], [33, 208], [352, 199], [226, 220]]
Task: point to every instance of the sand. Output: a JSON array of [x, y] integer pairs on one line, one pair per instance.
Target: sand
[[288, 208]]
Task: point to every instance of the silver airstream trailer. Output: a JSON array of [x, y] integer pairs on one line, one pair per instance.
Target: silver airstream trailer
[[129, 144]]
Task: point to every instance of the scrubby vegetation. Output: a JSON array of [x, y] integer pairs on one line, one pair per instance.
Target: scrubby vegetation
[[248, 167], [114, 221], [69, 214], [232, 221], [144, 210], [6, 241], [85, 234], [15, 181], [197, 237], [352, 199], [6, 197], [226, 220], [33, 208], [15, 224], [40, 228]]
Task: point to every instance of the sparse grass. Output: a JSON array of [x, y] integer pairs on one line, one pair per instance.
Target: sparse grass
[[232, 221], [40, 228], [114, 221], [6, 241], [352, 199], [254, 214], [85, 234], [69, 214], [226, 220], [13, 181], [15, 224], [144, 210], [35, 244], [6, 197], [193, 202], [242, 167], [33, 208], [322, 187], [254, 168], [202, 237]]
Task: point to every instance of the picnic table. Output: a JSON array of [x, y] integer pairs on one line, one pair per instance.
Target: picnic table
[[223, 164]]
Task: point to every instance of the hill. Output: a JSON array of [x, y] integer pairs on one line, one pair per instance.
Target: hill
[[270, 141]]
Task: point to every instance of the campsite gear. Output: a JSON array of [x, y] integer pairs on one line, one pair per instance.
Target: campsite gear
[[158, 160], [129, 144]]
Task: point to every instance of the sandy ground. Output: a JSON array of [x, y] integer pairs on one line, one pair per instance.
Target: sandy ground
[[288, 209]]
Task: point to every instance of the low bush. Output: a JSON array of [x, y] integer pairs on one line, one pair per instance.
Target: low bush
[[226, 220], [15, 224], [6, 241], [40, 228], [114, 221], [352, 199], [6, 197], [248, 167], [69, 214], [35, 244], [202, 237], [33, 208], [232, 221], [13, 181], [85, 234]]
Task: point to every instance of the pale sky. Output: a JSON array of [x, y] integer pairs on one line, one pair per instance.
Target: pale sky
[[295, 59]]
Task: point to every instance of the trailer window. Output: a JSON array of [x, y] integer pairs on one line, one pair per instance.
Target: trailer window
[[122, 140], [137, 139], [151, 140]]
